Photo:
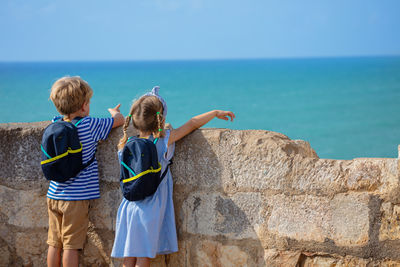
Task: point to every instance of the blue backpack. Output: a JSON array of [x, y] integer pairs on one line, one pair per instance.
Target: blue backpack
[[62, 151], [140, 169]]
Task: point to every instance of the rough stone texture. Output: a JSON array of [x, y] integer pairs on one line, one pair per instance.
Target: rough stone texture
[[343, 219], [236, 217], [390, 224], [242, 198]]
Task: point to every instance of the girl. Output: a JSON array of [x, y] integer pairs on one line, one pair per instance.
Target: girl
[[146, 228]]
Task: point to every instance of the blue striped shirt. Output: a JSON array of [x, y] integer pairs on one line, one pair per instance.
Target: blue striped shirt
[[86, 185]]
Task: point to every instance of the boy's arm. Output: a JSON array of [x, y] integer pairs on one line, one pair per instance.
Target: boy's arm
[[118, 117], [196, 122]]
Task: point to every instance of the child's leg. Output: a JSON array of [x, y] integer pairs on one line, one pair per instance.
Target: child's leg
[[129, 262], [54, 257], [143, 262], [74, 229], [54, 237], [70, 258]]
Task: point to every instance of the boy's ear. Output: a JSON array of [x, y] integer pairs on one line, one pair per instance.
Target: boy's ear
[[84, 105]]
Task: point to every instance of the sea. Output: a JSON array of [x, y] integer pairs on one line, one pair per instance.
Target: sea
[[344, 107]]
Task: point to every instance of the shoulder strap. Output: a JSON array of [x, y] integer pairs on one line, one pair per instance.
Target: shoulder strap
[[84, 166], [154, 140], [166, 169], [77, 120], [55, 119], [150, 138]]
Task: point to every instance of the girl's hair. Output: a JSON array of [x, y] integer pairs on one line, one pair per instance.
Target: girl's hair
[[146, 114]]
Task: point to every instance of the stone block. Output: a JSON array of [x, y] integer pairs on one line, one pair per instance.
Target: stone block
[[98, 246], [210, 253], [390, 222], [275, 258], [300, 217], [20, 152], [318, 176], [103, 211], [344, 219], [197, 151], [329, 177], [350, 219], [26, 209], [107, 156], [180, 258], [364, 174], [5, 255], [328, 261], [390, 188], [262, 160], [237, 160], [237, 217], [32, 247]]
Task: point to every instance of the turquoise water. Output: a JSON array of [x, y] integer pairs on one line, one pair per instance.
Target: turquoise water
[[345, 107]]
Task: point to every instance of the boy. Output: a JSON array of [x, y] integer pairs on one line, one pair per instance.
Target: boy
[[68, 203]]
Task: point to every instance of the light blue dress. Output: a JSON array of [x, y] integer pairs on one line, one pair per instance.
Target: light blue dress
[[146, 228]]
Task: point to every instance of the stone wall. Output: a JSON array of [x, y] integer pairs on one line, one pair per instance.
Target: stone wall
[[242, 198]]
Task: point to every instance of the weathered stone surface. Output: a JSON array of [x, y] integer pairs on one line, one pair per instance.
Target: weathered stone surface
[[107, 153], [23, 208], [237, 160], [20, 157], [98, 247], [350, 219], [390, 224], [242, 198], [318, 176], [344, 219], [327, 261], [390, 188], [236, 217], [338, 261], [275, 258], [103, 211], [300, 217], [211, 253], [31, 247], [198, 155], [5, 255], [329, 177]]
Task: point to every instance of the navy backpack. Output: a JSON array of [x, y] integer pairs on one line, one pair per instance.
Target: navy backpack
[[140, 169], [62, 151]]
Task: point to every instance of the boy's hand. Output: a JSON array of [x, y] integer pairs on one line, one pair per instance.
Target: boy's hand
[[223, 115], [115, 110], [118, 117]]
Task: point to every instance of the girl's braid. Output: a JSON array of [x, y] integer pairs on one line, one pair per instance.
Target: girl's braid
[[123, 140], [158, 132]]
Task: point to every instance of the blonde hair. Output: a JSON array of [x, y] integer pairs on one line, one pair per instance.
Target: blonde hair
[[69, 94], [146, 114]]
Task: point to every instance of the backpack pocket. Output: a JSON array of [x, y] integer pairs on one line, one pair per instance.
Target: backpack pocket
[[142, 185], [62, 168]]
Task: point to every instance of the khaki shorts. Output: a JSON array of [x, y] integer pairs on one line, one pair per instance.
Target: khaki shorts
[[68, 223]]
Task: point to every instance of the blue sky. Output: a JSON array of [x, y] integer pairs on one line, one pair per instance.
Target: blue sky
[[44, 30]]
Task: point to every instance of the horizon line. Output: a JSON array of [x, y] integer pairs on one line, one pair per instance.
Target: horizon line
[[200, 59]]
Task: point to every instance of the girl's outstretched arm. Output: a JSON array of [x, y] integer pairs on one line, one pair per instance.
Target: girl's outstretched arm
[[198, 121]]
